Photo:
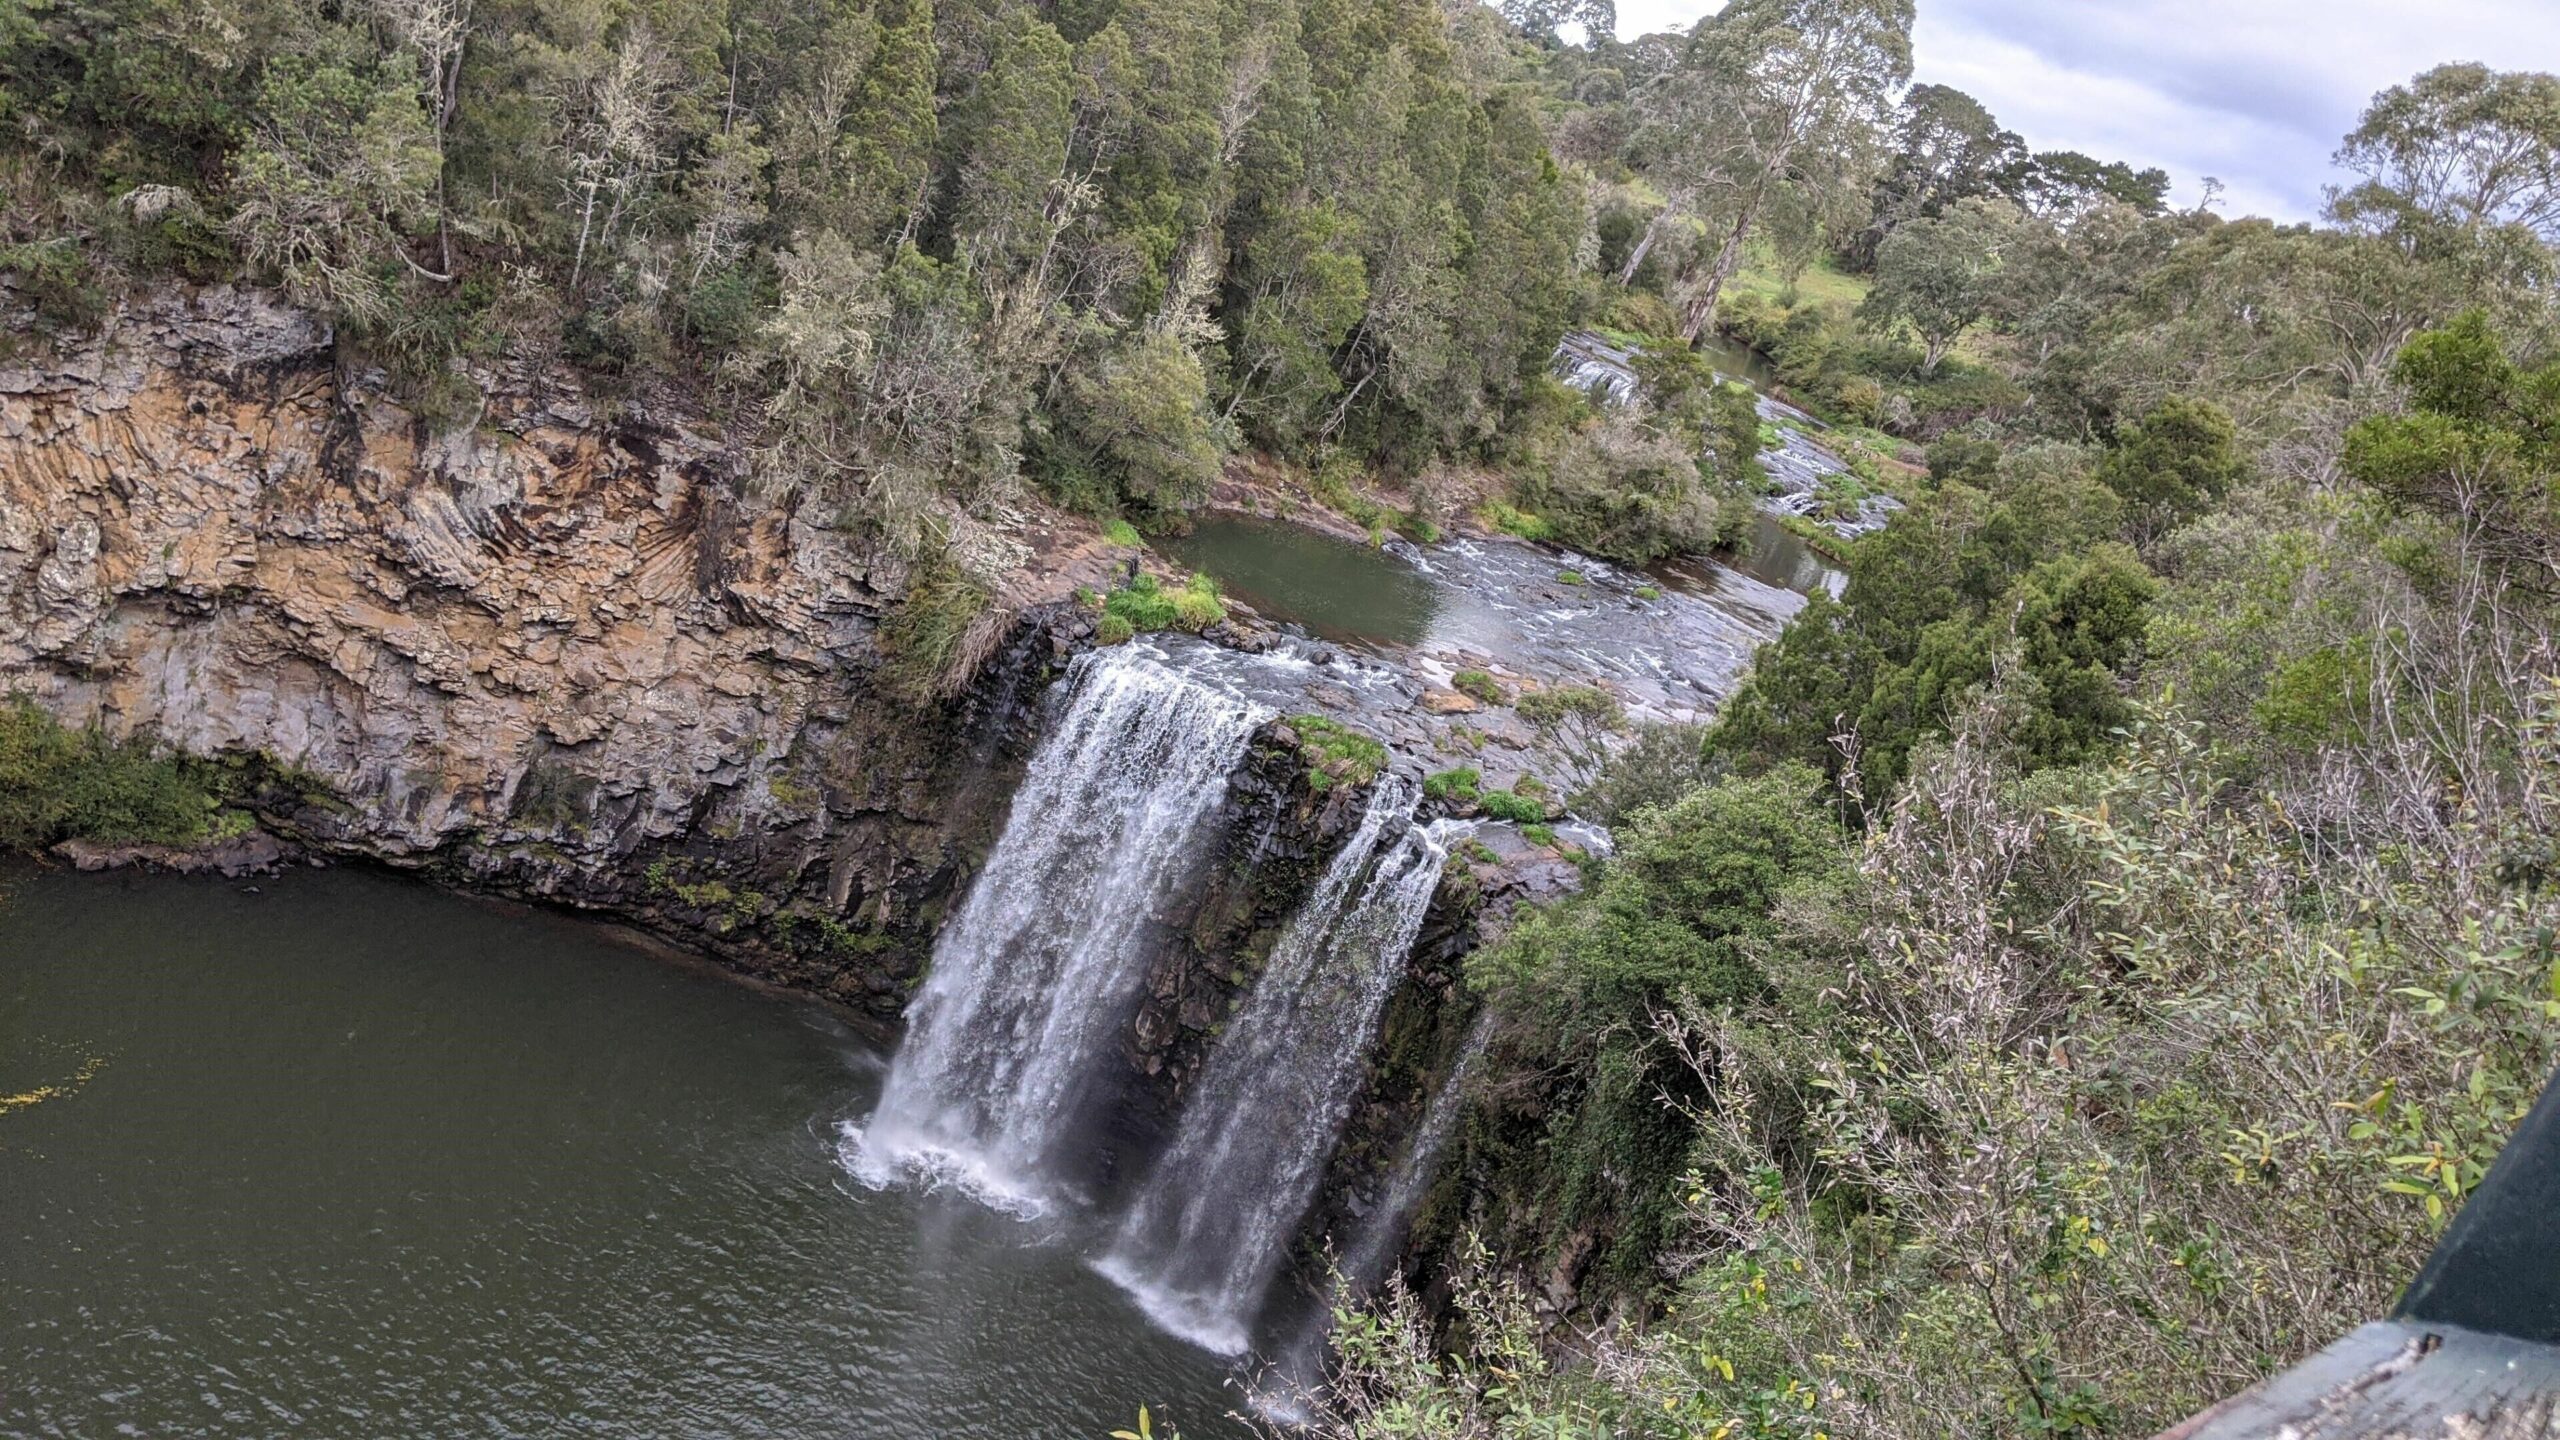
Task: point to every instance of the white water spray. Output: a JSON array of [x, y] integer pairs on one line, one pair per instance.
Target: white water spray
[[1215, 1218], [1044, 958]]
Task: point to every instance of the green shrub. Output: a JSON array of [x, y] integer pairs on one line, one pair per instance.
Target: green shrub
[[1480, 685], [58, 784], [720, 310], [1551, 708], [1512, 806], [1335, 753], [933, 644], [1539, 834], [1114, 630], [1120, 532], [1684, 916], [1571, 577], [1332, 484], [1196, 606], [1458, 785], [1660, 764], [1143, 414], [1144, 604], [57, 276], [1516, 522]]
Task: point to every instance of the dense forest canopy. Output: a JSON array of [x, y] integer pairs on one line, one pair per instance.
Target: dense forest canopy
[[2095, 952]]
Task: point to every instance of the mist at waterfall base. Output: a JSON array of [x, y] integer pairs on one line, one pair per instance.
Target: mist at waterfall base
[[1016, 1022]]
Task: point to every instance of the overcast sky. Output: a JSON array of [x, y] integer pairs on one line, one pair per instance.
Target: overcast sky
[[2256, 92]]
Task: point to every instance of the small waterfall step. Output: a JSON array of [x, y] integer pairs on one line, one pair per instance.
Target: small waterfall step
[[1045, 956], [1213, 1222]]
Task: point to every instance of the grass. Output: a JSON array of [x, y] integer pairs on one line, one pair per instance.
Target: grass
[[1548, 709], [729, 909], [933, 643], [1144, 604], [1820, 538], [1120, 532], [1480, 686], [832, 936], [1822, 283], [1460, 785], [1511, 520], [1335, 753], [1571, 577], [1463, 788]]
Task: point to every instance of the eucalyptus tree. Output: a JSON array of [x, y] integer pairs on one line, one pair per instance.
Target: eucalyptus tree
[[1947, 148], [1767, 95], [2065, 185], [1941, 274], [1540, 20], [2461, 145]]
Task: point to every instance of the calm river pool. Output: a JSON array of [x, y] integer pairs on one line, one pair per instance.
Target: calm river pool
[[359, 1158]]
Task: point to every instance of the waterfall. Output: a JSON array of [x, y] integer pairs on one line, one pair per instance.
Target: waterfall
[[1365, 1263], [1044, 960], [1291, 1391], [1215, 1217]]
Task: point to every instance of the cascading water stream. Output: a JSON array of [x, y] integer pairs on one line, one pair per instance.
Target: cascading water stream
[[1044, 957], [1214, 1220], [1365, 1263], [1290, 1391]]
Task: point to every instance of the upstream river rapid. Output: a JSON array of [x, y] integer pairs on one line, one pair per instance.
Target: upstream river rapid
[[354, 1157]]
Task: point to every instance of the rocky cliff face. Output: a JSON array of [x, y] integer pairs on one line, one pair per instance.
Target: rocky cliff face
[[558, 651], [561, 652]]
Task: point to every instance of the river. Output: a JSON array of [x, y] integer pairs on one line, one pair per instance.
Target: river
[[360, 1158]]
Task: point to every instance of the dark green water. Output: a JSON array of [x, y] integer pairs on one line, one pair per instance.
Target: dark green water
[[362, 1159], [1778, 556], [1736, 361], [1345, 591]]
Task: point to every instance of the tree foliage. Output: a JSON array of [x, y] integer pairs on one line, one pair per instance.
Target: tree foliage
[[2461, 145]]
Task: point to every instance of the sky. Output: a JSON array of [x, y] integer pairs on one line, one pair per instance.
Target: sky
[[2254, 92]]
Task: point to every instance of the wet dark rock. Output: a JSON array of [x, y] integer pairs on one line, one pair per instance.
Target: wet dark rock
[[256, 853]]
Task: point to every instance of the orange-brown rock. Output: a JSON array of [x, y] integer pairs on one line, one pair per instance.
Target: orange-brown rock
[[555, 646]]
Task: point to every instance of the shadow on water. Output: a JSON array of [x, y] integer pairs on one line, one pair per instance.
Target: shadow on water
[[363, 1159]]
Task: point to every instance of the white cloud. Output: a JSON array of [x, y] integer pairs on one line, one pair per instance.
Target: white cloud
[[2255, 92]]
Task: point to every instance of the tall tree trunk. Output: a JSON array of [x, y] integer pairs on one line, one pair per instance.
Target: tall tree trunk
[[1701, 313], [1644, 247], [448, 99], [586, 219]]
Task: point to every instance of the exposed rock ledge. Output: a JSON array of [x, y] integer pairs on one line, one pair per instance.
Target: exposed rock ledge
[[558, 652]]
